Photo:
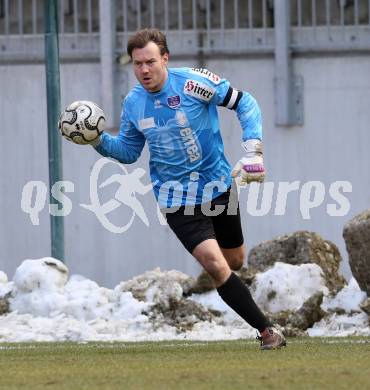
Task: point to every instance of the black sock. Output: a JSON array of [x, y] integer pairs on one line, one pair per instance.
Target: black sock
[[236, 294]]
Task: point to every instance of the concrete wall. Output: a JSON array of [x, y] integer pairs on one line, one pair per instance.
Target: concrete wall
[[331, 146]]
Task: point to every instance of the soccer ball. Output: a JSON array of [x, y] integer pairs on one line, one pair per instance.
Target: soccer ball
[[81, 122]]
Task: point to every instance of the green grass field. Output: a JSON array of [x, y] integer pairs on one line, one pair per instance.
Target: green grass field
[[307, 363]]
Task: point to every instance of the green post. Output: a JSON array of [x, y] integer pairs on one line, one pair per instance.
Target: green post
[[53, 109]]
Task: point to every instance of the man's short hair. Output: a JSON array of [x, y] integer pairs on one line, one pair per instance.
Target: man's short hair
[[142, 37]]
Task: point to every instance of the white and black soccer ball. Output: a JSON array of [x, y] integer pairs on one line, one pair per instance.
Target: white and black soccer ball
[[82, 122]]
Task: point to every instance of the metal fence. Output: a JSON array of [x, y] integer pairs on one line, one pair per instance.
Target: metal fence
[[218, 26], [330, 24], [192, 25], [22, 28]]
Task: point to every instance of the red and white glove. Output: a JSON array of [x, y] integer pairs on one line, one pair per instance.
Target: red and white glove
[[250, 168]]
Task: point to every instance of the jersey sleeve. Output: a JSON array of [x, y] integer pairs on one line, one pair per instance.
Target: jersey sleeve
[[249, 115], [127, 146], [221, 93]]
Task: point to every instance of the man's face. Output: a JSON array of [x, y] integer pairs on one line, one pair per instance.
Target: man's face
[[150, 67]]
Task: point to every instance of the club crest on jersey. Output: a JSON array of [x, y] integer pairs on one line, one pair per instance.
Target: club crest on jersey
[[174, 101], [206, 73], [199, 90]]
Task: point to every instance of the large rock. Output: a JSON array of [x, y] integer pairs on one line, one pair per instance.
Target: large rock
[[205, 283], [365, 306], [309, 313], [300, 248], [295, 323], [166, 291], [356, 234], [158, 286], [4, 304], [183, 314], [202, 284]]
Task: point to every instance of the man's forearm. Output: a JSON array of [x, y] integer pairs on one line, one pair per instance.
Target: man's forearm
[[116, 148], [249, 115]]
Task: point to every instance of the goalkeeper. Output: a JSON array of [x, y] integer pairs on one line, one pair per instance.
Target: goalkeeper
[[174, 110]]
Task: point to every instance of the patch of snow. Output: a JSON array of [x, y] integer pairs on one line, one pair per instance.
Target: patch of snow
[[47, 306], [341, 325], [46, 274], [348, 298], [287, 287]]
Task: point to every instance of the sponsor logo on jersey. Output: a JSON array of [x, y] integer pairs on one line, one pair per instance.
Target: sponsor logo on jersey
[[206, 73], [174, 101], [199, 90], [146, 123], [190, 145], [157, 104]]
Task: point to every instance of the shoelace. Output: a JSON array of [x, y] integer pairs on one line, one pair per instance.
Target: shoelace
[[259, 338]]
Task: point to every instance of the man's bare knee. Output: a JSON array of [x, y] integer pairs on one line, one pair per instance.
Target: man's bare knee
[[213, 264], [212, 260]]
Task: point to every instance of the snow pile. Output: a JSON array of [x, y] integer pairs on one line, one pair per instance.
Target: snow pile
[[348, 299], [46, 305], [347, 318], [41, 289], [341, 325], [287, 287], [44, 274]]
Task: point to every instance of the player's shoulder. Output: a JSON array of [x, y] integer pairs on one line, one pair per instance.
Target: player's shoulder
[[198, 74], [135, 94], [199, 83]]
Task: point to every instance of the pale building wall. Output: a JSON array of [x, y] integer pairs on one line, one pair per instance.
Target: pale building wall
[[332, 145]]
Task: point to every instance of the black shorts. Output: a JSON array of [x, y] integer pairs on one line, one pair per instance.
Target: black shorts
[[193, 229]]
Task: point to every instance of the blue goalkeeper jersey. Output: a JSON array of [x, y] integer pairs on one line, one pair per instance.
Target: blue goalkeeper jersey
[[181, 126]]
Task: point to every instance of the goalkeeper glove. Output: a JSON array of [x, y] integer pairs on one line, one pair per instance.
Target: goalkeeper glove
[[250, 168]]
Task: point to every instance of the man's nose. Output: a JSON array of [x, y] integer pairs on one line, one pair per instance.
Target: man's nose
[[145, 69]]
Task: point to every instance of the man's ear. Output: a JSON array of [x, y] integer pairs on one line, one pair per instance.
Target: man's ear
[[165, 58]]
